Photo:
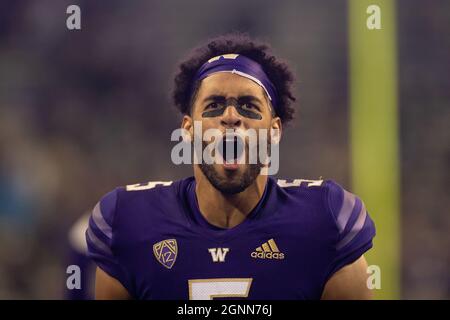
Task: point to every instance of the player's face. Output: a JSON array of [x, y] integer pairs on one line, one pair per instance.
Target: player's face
[[229, 101]]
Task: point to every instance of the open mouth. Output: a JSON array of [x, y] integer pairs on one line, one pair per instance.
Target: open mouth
[[231, 149]]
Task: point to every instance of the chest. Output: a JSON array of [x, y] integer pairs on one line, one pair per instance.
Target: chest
[[276, 262]]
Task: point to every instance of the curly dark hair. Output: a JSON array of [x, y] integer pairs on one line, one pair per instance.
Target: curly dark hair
[[277, 71]]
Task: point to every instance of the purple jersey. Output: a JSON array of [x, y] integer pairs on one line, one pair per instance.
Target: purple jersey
[[154, 240]]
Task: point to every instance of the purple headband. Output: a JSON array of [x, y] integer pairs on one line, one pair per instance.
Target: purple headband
[[240, 65]]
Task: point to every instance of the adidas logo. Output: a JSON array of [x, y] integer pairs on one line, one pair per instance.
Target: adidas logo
[[268, 250]]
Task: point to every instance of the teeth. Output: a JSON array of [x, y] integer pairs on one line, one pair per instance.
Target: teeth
[[231, 147]]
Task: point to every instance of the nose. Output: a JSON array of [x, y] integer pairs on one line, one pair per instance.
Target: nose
[[230, 117]]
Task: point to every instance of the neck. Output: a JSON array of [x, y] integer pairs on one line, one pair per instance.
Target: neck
[[225, 210]]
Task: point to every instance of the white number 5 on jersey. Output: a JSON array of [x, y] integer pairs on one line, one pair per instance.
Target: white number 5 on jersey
[[208, 289]]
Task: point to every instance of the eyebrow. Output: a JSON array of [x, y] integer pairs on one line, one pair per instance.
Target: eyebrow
[[215, 97]]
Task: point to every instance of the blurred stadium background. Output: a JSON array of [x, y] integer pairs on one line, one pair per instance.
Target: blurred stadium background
[[84, 111]]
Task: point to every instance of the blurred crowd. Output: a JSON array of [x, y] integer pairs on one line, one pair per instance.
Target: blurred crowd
[[84, 111]]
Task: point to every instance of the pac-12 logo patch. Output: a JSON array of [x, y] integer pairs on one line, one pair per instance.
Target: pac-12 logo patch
[[166, 252]]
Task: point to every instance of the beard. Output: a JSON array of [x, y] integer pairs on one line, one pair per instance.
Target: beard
[[231, 182]]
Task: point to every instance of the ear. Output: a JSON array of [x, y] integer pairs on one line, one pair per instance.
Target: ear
[[188, 124], [276, 129]]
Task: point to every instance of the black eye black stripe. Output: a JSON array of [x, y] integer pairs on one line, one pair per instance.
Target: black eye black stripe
[[234, 102]]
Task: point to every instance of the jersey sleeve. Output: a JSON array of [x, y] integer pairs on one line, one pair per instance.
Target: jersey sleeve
[[100, 235], [354, 227]]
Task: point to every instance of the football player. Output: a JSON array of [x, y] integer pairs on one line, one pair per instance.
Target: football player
[[229, 231]]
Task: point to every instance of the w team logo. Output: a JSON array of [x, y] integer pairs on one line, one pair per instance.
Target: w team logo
[[166, 252]]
